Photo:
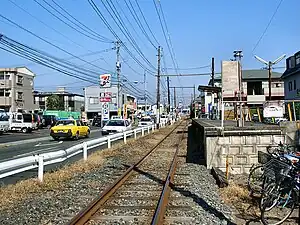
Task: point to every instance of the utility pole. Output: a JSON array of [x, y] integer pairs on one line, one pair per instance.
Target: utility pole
[[238, 57], [195, 102], [118, 69], [169, 100], [174, 100], [269, 67], [145, 87], [158, 88], [212, 71]]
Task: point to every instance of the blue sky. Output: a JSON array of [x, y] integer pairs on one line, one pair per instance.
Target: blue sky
[[198, 29]]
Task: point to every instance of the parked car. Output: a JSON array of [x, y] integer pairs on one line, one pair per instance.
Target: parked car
[[69, 129], [97, 121], [116, 126], [116, 117], [164, 118], [4, 121], [146, 121], [48, 120], [22, 122]]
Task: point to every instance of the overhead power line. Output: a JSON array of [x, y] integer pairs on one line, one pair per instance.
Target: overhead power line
[[192, 68], [48, 42], [136, 1], [121, 25], [47, 60], [138, 22], [102, 17], [77, 28], [267, 27]]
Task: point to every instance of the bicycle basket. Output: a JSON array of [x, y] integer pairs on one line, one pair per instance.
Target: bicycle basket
[[277, 169], [263, 157]]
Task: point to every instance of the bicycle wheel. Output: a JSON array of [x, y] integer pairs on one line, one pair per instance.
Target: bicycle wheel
[[255, 179], [280, 212]]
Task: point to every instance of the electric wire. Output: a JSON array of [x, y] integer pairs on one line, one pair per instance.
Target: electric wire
[[102, 17], [268, 25], [48, 42]]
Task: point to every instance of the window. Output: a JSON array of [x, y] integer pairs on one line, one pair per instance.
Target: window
[[294, 84], [1, 92], [19, 117], [290, 86], [297, 59], [20, 95], [7, 93], [1, 75], [93, 100], [278, 85], [20, 79]]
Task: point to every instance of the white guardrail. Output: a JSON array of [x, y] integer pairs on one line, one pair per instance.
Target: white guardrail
[[14, 166]]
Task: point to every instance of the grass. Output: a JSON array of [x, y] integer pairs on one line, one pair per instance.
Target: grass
[[237, 195], [12, 194]]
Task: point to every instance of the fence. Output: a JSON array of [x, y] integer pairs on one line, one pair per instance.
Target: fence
[[15, 166]]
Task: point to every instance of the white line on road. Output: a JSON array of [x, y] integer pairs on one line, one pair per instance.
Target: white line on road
[[34, 152]]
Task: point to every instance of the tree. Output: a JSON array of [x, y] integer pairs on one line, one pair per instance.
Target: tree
[[54, 102]]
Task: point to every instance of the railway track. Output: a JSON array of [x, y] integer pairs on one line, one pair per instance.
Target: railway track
[[142, 193]]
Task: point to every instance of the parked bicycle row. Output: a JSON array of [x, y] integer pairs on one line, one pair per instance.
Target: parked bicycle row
[[276, 181]]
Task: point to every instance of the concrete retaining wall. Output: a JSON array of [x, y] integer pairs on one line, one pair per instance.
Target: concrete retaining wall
[[242, 151]]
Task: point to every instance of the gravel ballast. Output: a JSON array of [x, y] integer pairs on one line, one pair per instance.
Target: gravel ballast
[[194, 198]]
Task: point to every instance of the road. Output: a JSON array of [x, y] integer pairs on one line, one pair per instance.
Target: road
[[17, 145]]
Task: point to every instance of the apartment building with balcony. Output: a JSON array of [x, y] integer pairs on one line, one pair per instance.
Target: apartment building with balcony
[[72, 101], [291, 77], [16, 89]]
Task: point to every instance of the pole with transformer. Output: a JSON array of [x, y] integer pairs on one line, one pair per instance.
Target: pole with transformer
[[118, 69], [158, 89]]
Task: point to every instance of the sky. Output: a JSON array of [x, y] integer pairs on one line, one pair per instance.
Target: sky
[[196, 31]]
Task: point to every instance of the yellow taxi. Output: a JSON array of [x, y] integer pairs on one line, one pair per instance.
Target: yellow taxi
[[69, 129]]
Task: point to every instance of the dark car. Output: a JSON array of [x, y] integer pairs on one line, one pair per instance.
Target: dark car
[[49, 120], [96, 121]]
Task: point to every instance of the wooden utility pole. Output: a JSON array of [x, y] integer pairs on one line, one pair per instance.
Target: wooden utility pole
[[169, 97], [212, 71], [118, 68], [158, 89]]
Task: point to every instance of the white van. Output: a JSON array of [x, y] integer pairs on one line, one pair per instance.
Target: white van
[[4, 121], [22, 122]]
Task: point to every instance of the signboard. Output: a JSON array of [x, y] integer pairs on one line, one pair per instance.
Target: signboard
[[125, 111], [105, 111], [105, 97], [105, 81], [273, 110]]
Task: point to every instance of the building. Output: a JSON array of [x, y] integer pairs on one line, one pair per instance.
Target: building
[[255, 84], [254, 88], [16, 89], [291, 77], [72, 101], [93, 105]]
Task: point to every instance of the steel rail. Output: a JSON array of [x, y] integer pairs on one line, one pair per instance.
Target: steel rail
[[84, 215], [161, 207]]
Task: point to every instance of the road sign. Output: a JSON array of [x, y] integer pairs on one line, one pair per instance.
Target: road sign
[[105, 111], [105, 80]]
